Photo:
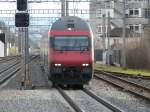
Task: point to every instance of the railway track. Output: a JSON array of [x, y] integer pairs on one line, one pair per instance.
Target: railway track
[[9, 58], [9, 73], [132, 87], [10, 70], [99, 100], [7, 67], [138, 76]]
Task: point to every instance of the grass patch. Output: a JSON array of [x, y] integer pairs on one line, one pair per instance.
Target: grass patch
[[121, 70], [13, 51]]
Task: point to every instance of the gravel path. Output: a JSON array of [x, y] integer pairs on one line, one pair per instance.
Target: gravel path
[[39, 79], [33, 101], [85, 102], [122, 99]]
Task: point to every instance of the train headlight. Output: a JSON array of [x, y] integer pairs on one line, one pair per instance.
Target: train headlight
[[58, 65], [85, 65], [69, 29]]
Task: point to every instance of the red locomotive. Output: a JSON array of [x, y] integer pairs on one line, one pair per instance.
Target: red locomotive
[[70, 56]]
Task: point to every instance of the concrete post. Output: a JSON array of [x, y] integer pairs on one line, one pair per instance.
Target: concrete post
[[124, 36]]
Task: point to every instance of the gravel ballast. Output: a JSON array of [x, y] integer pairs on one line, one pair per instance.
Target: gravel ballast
[[118, 97], [33, 101], [46, 99], [42, 98], [85, 102]]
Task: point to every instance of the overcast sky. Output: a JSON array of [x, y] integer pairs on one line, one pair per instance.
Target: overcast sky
[[46, 5]]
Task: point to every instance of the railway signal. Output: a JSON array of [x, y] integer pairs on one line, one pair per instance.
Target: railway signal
[[22, 5], [21, 19]]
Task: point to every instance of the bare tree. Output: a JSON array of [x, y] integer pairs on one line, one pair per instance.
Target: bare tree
[[137, 55]]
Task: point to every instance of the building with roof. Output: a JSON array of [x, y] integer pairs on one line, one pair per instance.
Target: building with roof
[[137, 15]]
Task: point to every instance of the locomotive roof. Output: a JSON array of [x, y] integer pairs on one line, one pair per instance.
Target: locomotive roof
[[70, 21]]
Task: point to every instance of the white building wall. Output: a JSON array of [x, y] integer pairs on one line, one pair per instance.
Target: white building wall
[[1, 49]]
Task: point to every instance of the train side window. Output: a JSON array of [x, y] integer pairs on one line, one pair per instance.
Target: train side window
[[90, 45], [51, 42]]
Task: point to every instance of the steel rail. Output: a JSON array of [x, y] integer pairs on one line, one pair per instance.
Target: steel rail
[[125, 74], [18, 68], [8, 67], [127, 81], [5, 60], [98, 99], [69, 100], [8, 58], [102, 101], [9, 75], [133, 88]]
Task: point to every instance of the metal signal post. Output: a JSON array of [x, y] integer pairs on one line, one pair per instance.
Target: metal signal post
[[22, 21]]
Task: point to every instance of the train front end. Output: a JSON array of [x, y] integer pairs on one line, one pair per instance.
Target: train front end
[[70, 51]]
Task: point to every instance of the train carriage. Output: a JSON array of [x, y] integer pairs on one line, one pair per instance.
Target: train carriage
[[70, 54]]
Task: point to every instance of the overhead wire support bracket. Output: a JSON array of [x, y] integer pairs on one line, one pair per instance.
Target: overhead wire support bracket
[[40, 1]]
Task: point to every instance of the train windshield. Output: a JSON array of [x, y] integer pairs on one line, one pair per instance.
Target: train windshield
[[71, 43]]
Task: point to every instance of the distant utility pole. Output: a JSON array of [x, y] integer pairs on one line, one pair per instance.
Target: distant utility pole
[[124, 35], [148, 32], [67, 8], [63, 7], [5, 45], [104, 38], [104, 31], [19, 41], [108, 38]]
